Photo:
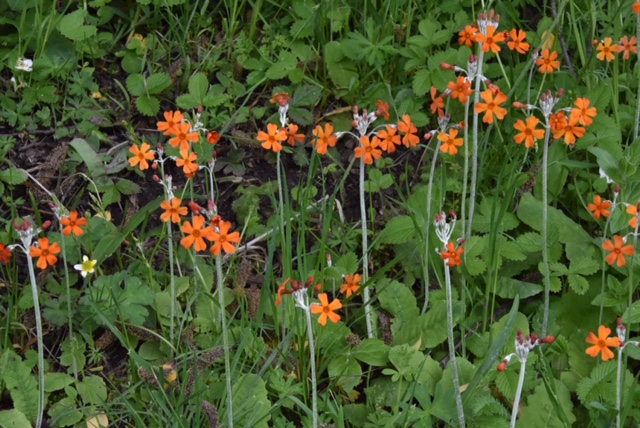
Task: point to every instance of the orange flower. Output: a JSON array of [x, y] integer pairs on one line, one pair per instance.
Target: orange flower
[[628, 46], [223, 240], [186, 161], [491, 40], [325, 309], [350, 285], [45, 252], [324, 138], [383, 110], [449, 141], [170, 127], [636, 7], [599, 208], [606, 51], [195, 234], [602, 343], [570, 131], [491, 106], [280, 99], [369, 150], [467, 36], [405, 126], [72, 224], [173, 210], [388, 139], [558, 121], [528, 132], [5, 254], [282, 290], [460, 89], [183, 136], [516, 41], [272, 139], [141, 156], [452, 256], [292, 137], [618, 251], [213, 137], [547, 62], [583, 112], [438, 103], [633, 210]]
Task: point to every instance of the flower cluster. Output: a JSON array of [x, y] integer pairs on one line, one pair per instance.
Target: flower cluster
[[197, 231], [298, 290], [524, 345]]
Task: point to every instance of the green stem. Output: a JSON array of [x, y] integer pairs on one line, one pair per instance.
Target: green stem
[[474, 154], [452, 349], [545, 225], [619, 387], [72, 339], [516, 401], [314, 385], [225, 340], [36, 309], [365, 250], [427, 228]]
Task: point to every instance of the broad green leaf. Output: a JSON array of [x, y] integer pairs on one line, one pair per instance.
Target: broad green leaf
[[285, 64], [127, 187], [89, 157], [474, 255], [251, 405], [632, 313], [22, 386], [13, 419], [148, 105], [341, 70], [306, 96], [398, 230], [539, 412], [65, 412], [199, 86], [92, 389], [422, 82], [57, 381], [397, 299], [72, 26], [13, 176], [373, 352], [136, 85], [345, 372], [158, 82], [508, 288]]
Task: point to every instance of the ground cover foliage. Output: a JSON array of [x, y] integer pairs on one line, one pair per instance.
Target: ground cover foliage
[[335, 213]]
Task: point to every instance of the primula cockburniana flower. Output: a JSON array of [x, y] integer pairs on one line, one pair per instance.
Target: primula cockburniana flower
[[141, 156], [628, 46], [271, 140], [438, 102], [599, 207], [570, 131], [633, 210], [449, 141], [45, 252], [528, 132], [173, 210], [547, 62], [602, 343], [5, 254], [170, 127], [292, 137], [187, 162], [389, 139], [618, 250], [606, 51], [467, 36], [326, 309], [460, 89], [583, 112], [491, 106], [451, 256], [72, 224], [223, 240], [213, 137], [183, 137], [368, 149], [516, 41], [86, 267], [491, 40], [350, 285], [410, 139], [324, 138], [195, 234]]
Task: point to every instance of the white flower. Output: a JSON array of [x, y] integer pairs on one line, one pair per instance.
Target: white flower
[[86, 267], [24, 64]]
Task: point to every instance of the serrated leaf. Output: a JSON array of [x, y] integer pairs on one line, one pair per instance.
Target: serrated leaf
[[13, 419], [110, 196], [199, 86], [127, 187], [398, 230], [578, 283], [584, 266], [22, 387], [72, 26], [92, 389], [422, 82], [188, 101], [397, 299], [599, 385], [473, 251], [373, 352], [286, 63], [306, 96], [345, 371], [148, 105], [539, 410], [158, 82], [510, 250], [342, 72], [509, 288], [13, 176], [135, 85], [632, 313], [348, 263]]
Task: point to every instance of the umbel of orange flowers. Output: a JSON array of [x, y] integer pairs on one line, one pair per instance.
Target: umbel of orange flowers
[[298, 290]]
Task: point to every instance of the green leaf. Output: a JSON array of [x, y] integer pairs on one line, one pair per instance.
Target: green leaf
[[473, 253], [397, 299], [90, 158], [158, 82], [127, 187], [286, 63], [251, 405], [92, 390], [13, 176], [539, 411], [22, 386], [508, 288], [434, 324], [422, 82], [342, 71], [632, 313], [72, 26], [199, 86], [373, 352], [65, 412], [345, 371], [136, 85], [57, 381], [13, 419], [148, 105], [398, 230], [306, 96]]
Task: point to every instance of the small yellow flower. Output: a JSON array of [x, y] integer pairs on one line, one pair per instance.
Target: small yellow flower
[[86, 267]]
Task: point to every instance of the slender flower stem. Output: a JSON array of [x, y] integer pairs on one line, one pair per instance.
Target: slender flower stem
[[452, 349], [429, 220], [72, 337], [474, 153], [365, 251], [516, 401], [172, 286], [314, 385], [36, 309], [225, 339], [619, 387], [545, 220], [636, 128]]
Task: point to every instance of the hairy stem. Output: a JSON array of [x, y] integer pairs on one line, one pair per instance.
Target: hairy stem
[[516, 401], [365, 251], [314, 385], [36, 309], [545, 225], [452, 351], [225, 339]]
